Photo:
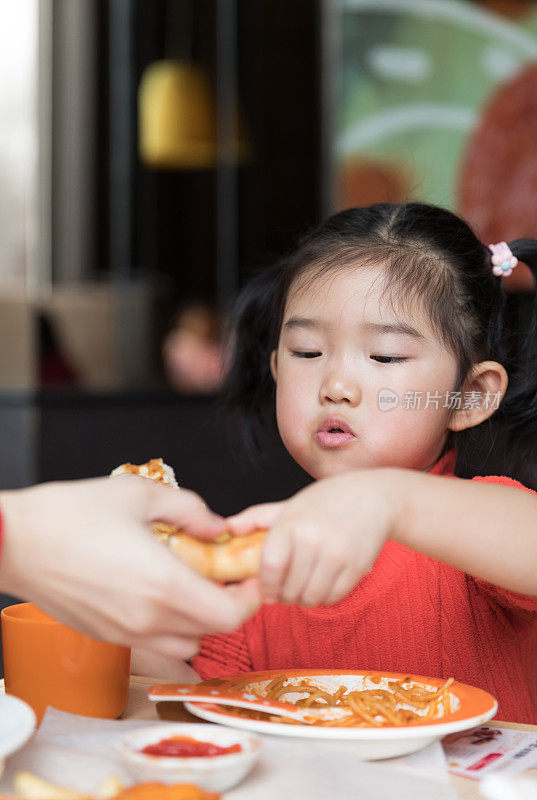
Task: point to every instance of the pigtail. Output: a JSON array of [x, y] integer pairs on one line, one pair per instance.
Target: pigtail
[[518, 411], [248, 397]]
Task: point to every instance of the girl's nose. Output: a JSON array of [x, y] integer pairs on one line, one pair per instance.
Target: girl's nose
[[338, 388]]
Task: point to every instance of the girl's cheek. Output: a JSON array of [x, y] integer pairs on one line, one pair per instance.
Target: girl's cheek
[[412, 431], [290, 416]]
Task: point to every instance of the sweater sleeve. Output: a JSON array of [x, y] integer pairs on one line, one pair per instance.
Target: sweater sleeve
[[505, 597], [222, 654]]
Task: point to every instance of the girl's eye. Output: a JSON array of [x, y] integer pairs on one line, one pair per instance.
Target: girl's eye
[[306, 354], [389, 359]]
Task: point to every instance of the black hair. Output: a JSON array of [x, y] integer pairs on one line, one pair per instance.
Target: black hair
[[428, 254]]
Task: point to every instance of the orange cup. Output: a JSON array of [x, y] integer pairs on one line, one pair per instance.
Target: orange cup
[[48, 664]]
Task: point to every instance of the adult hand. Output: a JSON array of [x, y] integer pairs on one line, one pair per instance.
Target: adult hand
[[84, 553], [254, 518]]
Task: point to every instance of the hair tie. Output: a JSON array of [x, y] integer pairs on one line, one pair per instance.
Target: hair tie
[[503, 260]]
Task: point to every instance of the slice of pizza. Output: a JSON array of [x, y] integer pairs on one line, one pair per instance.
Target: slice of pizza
[[227, 560]]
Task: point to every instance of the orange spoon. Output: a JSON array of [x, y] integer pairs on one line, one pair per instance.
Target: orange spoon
[[226, 697]]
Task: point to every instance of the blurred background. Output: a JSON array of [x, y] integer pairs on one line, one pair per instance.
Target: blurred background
[[154, 154]]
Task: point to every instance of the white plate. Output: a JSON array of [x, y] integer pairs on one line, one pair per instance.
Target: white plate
[[17, 724], [471, 707]]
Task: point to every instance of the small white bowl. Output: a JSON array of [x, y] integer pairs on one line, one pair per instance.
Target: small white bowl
[[216, 773]]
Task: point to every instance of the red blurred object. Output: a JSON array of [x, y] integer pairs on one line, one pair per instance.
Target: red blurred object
[[514, 9], [498, 182], [364, 181], [485, 761], [54, 367]]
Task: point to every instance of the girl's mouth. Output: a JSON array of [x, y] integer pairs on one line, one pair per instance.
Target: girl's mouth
[[334, 433]]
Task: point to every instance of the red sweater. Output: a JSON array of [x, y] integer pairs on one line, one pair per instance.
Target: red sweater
[[410, 614]]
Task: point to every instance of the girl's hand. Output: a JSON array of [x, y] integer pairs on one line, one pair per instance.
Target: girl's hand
[[326, 537]]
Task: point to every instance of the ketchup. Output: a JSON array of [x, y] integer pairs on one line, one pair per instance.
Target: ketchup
[[185, 747]]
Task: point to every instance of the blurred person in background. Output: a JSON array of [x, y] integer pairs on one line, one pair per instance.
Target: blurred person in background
[[193, 352]]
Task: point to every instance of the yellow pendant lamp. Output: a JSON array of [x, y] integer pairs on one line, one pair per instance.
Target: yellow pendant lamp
[[177, 127], [177, 119], [176, 105]]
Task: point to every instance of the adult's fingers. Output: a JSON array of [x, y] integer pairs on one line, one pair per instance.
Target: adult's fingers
[[186, 510], [209, 607], [176, 647], [254, 518], [248, 596], [166, 598], [95, 625]]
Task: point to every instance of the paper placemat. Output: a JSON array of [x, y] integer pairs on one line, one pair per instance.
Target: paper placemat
[[78, 752]]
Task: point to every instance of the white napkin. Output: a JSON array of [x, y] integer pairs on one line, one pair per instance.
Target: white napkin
[[79, 752], [508, 787]]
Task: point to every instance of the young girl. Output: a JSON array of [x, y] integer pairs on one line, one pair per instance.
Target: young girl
[[381, 339]]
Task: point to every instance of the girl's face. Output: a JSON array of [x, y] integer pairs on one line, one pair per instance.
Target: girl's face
[[344, 356]]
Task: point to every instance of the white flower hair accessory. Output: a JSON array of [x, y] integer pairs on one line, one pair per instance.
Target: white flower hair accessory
[[503, 260]]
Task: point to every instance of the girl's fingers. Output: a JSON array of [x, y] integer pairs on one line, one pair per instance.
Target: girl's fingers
[[298, 575], [343, 584], [254, 518], [275, 561], [320, 584], [203, 524]]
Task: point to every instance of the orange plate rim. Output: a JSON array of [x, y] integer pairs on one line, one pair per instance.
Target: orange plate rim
[[473, 701]]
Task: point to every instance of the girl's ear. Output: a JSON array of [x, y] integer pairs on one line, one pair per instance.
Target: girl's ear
[[481, 395], [274, 365]]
